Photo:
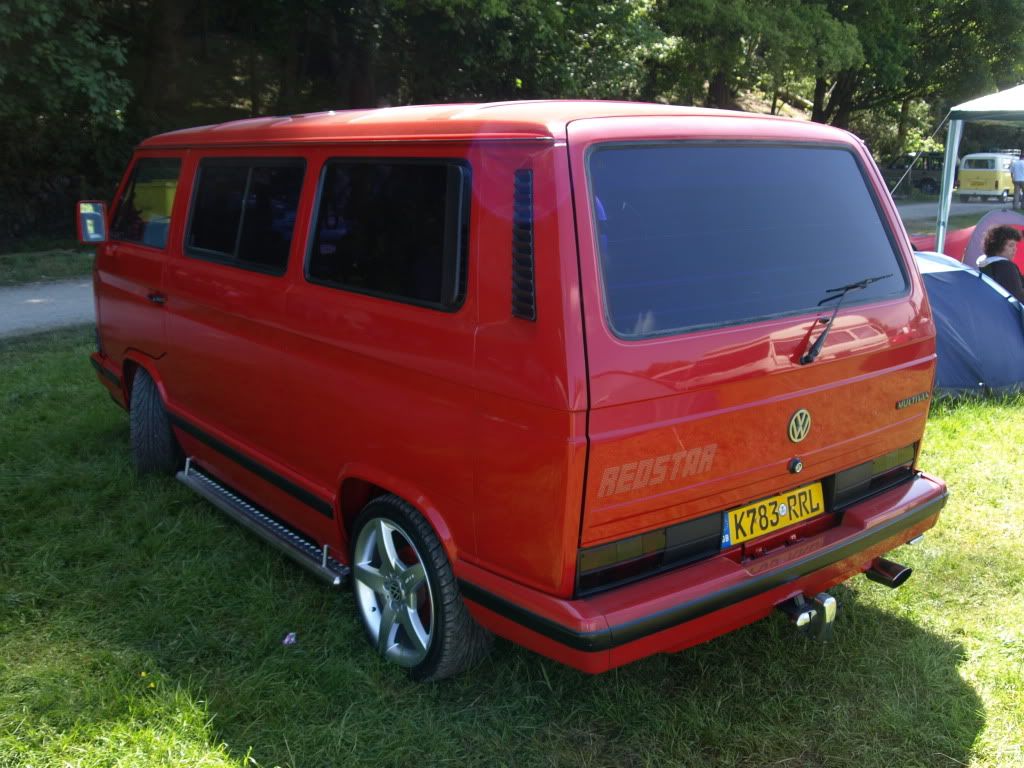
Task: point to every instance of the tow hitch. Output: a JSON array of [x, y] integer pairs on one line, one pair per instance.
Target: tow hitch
[[813, 616]]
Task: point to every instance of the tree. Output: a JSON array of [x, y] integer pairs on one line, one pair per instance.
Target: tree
[[61, 92], [735, 44], [951, 47]]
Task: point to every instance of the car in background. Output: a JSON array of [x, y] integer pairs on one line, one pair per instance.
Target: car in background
[[986, 174], [926, 174]]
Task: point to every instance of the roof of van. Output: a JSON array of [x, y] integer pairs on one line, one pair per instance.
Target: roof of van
[[544, 120]]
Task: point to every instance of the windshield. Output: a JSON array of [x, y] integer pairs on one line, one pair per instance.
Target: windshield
[[696, 236]]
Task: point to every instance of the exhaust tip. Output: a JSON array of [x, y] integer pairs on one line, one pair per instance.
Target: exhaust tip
[[888, 573], [799, 612]]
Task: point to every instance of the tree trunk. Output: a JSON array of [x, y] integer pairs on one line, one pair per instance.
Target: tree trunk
[[818, 107], [289, 73], [254, 86], [840, 103], [161, 62], [718, 92], [361, 59], [901, 133]]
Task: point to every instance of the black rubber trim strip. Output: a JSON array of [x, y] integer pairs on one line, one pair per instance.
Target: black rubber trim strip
[[102, 371], [322, 506], [637, 629]]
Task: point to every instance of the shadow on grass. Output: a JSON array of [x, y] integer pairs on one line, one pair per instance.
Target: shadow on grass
[[138, 625]]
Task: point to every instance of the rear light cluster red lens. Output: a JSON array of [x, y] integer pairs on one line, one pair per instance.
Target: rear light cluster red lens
[[857, 483], [620, 562]]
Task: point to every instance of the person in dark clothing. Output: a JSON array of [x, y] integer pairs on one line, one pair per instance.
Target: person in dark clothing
[[997, 263]]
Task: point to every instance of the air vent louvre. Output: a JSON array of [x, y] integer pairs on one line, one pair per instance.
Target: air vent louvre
[[524, 298]]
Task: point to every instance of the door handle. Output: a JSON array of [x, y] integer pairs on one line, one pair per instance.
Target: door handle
[[157, 298]]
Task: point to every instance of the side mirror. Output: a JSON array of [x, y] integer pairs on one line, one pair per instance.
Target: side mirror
[[92, 222]]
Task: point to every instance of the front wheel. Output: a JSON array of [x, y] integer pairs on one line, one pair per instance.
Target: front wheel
[[406, 594], [154, 449]]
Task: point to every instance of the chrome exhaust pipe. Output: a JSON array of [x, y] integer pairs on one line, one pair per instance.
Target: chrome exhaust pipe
[[799, 612], [813, 616], [888, 573]]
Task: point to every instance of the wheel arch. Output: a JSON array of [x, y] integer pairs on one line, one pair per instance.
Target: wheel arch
[[359, 484], [133, 361]]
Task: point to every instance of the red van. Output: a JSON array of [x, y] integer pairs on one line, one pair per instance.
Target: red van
[[605, 379]]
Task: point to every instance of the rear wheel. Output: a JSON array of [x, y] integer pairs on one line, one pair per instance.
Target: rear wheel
[[929, 187], [406, 595], [154, 449]]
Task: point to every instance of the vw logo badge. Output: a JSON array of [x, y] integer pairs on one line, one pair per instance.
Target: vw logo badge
[[799, 425]]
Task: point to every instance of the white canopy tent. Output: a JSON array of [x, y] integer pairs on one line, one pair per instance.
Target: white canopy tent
[[1002, 107]]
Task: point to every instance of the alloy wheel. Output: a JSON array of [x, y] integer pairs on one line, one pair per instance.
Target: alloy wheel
[[393, 592]]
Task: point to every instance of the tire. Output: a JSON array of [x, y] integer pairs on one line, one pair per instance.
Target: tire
[[964, 198], [929, 187], [403, 584], [154, 449]]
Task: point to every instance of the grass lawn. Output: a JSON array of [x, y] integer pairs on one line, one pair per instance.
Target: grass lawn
[[35, 259], [140, 627]]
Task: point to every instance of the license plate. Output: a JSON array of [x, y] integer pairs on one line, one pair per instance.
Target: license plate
[[772, 514]]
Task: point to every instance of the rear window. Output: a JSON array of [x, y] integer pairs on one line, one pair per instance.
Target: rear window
[[698, 236], [980, 163]]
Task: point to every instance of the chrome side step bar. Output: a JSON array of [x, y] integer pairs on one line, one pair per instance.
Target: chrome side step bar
[[301, 549]]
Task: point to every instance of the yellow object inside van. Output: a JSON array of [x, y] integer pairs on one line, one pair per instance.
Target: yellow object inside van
[[986, 174]]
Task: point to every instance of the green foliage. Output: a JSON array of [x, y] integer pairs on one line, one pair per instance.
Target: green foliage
[[61, 95], [56, 65], [746, 43], [81, 82]]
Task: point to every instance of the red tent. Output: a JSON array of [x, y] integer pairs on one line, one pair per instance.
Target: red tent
[[965, 245]]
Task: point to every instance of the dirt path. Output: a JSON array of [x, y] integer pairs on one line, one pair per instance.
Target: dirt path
[[38, 306]]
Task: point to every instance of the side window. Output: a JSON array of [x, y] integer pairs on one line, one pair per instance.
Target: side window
[[143, 213], [395, 229], [243, 212]]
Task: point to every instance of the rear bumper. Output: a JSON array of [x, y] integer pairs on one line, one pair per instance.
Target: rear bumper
[[694, 604]]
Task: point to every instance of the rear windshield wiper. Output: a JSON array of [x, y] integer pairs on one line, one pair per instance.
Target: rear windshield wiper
[[838, 294]]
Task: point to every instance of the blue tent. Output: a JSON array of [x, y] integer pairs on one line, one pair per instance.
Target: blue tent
[[979, 328]]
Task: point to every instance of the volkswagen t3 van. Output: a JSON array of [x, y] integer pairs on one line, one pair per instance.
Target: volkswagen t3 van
[[605, 379], [986, 175]]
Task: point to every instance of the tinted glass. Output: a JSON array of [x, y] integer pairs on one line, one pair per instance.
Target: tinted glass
[[393, 229], [695, 236], [980, 163], [269, 217], [143, 213], [217, 209], [244, 212]]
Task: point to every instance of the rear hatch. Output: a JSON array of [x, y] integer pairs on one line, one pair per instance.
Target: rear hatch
[[711, 251]]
